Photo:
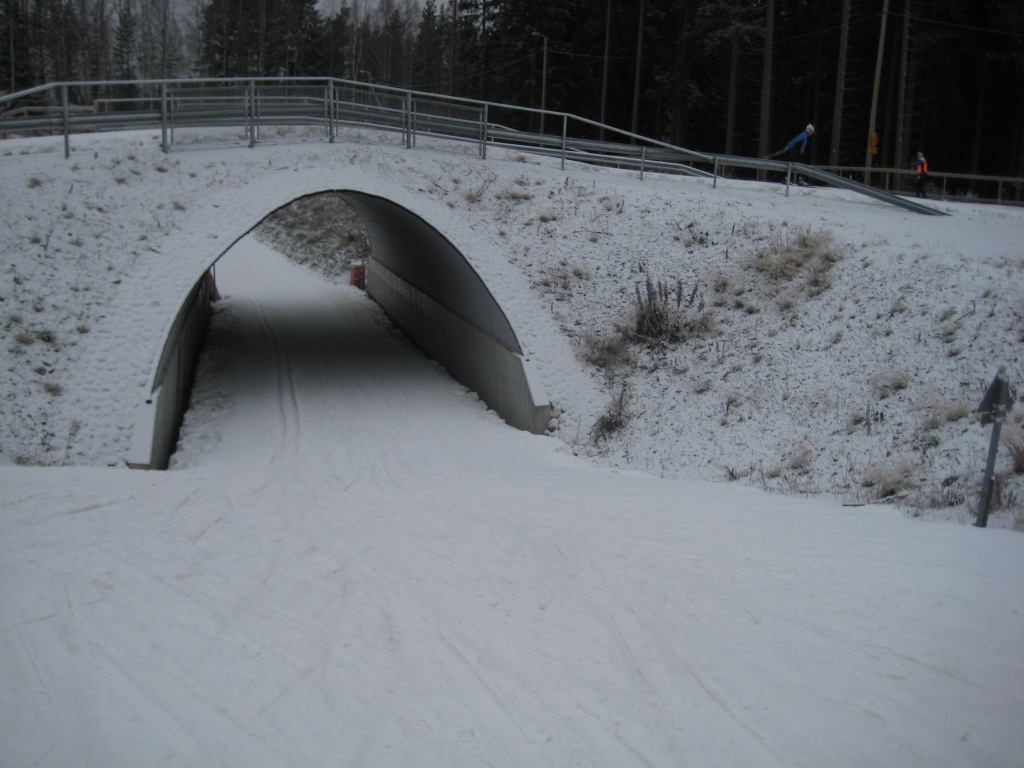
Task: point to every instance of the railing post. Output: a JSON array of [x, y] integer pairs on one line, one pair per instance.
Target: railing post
[[643, 160], [483, 135], [789, 171], [714, 182], [330, 111], [67, 121], [412, 121], [407, 119], [252, 114], [565, 133], [163, 117]]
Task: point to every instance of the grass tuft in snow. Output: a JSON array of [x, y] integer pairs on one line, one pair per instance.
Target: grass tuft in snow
[[659, 318], [1012, 437], [805, 260], [938, 411], [476, 194], [614, 419], [516, 195], [887, 383], [888, 480], [610, 353]]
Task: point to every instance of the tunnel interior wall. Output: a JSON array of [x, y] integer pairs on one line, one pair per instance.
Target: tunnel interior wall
[[426, 285], [502, 378], [158, 420]]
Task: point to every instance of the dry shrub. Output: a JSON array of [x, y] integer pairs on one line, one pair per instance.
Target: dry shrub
[[702, 386], [517, 195], [939, 411], [889, 479], [1012, 437], [800, 459], [659, 317], [887, 383], [609, 353], [654, 318], [951, 492], [476, 194], [806, 259], [612, 420], [947, 333]]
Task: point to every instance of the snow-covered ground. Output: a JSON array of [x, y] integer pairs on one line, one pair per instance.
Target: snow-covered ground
[[353, 562]]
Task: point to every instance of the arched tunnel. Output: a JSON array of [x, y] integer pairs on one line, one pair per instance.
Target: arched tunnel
[[422, 282]]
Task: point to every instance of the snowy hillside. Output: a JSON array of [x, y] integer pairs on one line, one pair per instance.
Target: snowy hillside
[[851, 371], [844, 345], [803, 364]]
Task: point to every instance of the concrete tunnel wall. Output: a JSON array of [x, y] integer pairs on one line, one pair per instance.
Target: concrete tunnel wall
[[424, 284]]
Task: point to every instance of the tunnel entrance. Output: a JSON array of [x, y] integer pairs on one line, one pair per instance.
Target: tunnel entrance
[[420, 279], [322, 232]]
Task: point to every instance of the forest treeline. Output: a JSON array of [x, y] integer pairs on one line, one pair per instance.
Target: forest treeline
[[722, 76]]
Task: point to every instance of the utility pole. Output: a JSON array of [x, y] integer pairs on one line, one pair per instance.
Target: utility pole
[[544, 84], [766, 84], [604, 75], [10, 36], [837, 111], [902, 135], [451, 74], [874, 93], [543, 76], [636, 82]]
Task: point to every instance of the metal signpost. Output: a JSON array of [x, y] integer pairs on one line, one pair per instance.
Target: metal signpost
[[993, 410]]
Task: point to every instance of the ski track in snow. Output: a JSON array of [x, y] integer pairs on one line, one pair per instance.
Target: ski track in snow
[[353, 562]]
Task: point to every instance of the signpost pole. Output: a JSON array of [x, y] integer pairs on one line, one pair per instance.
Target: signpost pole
[[992, 409]]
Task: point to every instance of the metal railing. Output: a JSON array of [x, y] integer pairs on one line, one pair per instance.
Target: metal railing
[[967, 186], [264, 109]]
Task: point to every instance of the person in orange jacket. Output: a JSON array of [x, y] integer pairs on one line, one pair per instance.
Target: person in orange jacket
[[921, 166]]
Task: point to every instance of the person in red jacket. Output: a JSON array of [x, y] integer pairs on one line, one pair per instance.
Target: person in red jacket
[[921, 166]]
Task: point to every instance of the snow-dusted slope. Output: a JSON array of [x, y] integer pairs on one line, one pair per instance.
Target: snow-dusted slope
[[859, 388], [382, 573]]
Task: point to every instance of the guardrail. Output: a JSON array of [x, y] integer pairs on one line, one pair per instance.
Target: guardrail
[[942, 184], [259, 105]]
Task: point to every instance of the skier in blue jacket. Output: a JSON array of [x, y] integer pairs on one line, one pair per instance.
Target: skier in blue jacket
[[799, 143]]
